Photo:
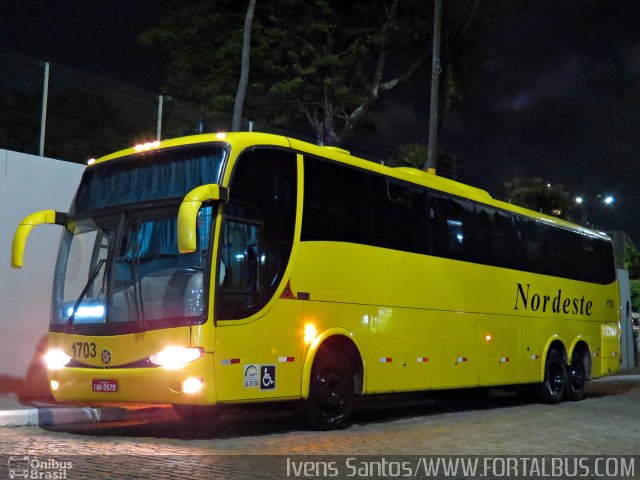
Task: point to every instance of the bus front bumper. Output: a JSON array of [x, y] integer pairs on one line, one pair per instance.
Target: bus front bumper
[[190, 385]]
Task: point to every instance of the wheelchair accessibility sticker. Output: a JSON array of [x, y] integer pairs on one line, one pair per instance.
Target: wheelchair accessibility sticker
[[267, 377], [262, 376]]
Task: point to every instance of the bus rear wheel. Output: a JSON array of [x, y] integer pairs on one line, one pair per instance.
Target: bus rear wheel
[[199, 413], [578, 375], [555, 378], [330, 393]]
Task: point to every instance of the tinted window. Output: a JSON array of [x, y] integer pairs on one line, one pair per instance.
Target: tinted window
[[556, 251], [563, 253], [530, 246], [336, 203], [257, 232], [452, 227], [497, 238], [602, 263], [399, 215]]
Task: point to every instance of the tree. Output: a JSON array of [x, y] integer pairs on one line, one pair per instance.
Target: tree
[[410, 155], [203, 43], [244, 70], [632, 261], [320, 63], [329, 62], [635, 295], [540, 197], [323, 62]]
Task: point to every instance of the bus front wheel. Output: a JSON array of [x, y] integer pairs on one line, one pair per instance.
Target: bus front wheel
[[555, 378], [330, 393]]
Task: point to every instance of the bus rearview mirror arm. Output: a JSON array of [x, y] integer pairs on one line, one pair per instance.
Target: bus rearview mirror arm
[[188, 213], [27, 224]]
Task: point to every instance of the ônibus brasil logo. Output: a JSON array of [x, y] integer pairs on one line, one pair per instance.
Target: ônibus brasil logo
[[38, 468]]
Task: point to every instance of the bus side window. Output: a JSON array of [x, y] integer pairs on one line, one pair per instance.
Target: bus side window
[[336, 203], [398, 216], [564, 257], [452, 227], [498, 238], [530, 247]]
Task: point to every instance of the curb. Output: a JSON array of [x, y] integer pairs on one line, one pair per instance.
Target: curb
[[619, 378], [48, 416]]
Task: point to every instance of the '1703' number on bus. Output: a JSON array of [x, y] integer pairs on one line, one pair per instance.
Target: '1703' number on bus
[[84, 349]]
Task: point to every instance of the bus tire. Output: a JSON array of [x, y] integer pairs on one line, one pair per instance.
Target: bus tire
[[578, 375], [330, 393], [199, 413], [555, 378]]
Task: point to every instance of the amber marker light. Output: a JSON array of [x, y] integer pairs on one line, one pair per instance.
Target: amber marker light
[[55, 385], [91, 161], [488, 337], [310, 333], [221, 135]]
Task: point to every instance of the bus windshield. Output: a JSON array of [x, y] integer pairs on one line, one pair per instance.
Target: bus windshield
[[125, 270], [119, 269]]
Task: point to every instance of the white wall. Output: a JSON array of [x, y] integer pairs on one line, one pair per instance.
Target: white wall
[[627, 358], [29, 183]]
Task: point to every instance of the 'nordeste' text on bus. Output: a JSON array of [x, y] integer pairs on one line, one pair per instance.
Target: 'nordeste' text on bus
[[528, 299]]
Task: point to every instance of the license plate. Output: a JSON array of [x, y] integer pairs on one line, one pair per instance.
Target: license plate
[[108, 386]]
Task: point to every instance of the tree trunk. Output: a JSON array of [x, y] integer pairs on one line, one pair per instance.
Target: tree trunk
[[244, 69]]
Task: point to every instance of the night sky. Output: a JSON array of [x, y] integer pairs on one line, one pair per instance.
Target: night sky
[[558, 97], [561, 99]]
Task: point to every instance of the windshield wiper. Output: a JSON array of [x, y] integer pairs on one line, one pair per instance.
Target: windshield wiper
[[135, 227], [86, 288]]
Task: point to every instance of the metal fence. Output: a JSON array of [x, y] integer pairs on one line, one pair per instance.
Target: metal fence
[[60, 112]]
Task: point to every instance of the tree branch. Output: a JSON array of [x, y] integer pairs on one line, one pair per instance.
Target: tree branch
[[378, 87]]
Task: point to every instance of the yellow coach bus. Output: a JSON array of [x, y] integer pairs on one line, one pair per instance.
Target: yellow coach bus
[[247, 267]]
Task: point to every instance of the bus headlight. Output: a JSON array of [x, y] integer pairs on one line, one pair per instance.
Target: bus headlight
[[56, 359], [173, 358]]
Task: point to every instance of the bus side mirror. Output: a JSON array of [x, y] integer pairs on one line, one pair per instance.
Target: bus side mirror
[[188, 213], [24, 229]]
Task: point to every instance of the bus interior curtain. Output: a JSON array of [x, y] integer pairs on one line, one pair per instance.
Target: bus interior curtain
[[121, 184]]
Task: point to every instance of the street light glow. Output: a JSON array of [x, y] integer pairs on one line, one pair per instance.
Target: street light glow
[[609, 200], [579, 200]]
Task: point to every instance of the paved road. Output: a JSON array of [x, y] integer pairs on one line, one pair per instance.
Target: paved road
[[606, 422]]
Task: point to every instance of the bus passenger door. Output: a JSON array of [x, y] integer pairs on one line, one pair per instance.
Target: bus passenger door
[[257, 356], [258, 336]]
